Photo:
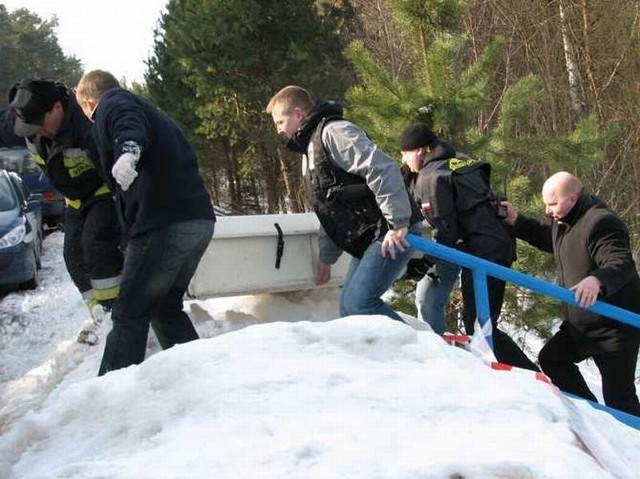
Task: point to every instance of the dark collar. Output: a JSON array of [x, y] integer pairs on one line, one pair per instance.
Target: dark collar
[[299, 142], [585, 202]]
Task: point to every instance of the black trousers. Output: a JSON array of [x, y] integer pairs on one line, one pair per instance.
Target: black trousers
[[91, 239], [159, 265], [505, 349], [558, 360]]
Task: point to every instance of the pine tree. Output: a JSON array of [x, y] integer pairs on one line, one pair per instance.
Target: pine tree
[[458, 93], [224, 60], [24, 35]]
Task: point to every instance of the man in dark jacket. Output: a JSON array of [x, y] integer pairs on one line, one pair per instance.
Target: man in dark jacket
[[166, 210], [358, 195], [456, 197], [593, 255], [58, 135]]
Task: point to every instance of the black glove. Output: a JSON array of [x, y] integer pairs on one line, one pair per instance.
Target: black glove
[[417, 268]]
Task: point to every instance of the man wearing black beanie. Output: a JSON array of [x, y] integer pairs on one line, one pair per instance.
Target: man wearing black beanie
[[455, 196]]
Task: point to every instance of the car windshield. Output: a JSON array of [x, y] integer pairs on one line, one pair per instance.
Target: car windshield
[[7, 195], [16, 159]]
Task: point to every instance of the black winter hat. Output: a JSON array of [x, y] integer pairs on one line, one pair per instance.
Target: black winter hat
[[416, 136], [31, 99]]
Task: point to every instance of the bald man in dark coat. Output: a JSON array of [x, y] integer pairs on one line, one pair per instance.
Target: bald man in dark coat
[[593, 255]]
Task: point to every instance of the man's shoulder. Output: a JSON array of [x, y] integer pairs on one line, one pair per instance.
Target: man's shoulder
[[333, 126], [602, 216], [341, 133], [116, 97], [436, 167], [433, 177]]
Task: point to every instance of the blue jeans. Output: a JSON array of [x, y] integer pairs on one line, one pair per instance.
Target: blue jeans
[[368, 279], [158, 267], [433, 296]]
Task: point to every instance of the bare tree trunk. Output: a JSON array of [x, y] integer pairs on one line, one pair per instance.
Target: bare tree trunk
[[577, 101], [208, 171], [588, 58], [388, 38], [271, 172], [230, 171], [292, 183]]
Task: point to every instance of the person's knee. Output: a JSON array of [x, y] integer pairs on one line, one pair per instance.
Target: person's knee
[[543, 357], [355, 304], [548, 360]]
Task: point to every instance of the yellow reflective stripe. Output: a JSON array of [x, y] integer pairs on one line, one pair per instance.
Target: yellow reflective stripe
[[105, 294], [103, 190], [106, 288], [75, 204], [76, 162], [37, 159], [457, 163]]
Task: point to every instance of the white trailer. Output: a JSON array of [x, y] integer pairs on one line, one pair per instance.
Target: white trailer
[[262, 254]]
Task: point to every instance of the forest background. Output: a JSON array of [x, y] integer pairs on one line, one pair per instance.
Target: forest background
[[531, 87]]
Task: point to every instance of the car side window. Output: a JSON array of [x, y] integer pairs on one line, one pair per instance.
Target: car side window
[[7, 197], [21, 188], [30, 166], [12, 159]]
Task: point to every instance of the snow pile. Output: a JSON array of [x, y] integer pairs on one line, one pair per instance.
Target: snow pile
[[278, 388]]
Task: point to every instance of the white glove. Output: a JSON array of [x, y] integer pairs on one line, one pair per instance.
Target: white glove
[[124, 169]]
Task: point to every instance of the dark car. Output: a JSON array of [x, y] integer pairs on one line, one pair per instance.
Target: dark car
[[18, 160], [20, 233]]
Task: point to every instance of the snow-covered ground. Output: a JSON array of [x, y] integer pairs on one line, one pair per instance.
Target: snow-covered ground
[[279, 389]]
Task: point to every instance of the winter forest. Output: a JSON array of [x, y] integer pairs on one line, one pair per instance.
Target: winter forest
[[277, 386], [532, 87]]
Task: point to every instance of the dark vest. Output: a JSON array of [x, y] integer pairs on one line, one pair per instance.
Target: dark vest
[[346, 207]]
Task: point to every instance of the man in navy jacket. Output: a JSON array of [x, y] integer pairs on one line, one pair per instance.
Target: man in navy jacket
[[166, 212]]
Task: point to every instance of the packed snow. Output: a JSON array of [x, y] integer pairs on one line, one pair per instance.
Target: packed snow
[[280, 388]]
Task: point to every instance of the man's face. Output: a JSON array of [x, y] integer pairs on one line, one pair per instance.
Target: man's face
[[52, 121], [557, 205], [287, 122], [413, 159]]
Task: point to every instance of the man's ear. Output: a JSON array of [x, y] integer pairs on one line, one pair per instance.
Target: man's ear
[[88, 106], [91, 104], [574, 198], [299, 113]]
